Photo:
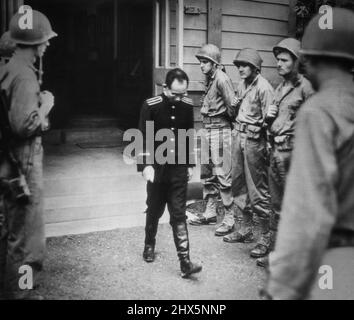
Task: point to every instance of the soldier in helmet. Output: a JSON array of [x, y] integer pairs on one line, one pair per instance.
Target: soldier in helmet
[[289, 96], [217, 112], [22, 240], [254, 96], [317, 218]]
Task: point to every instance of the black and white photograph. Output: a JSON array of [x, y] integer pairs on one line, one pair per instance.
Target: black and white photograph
[[184, 152]]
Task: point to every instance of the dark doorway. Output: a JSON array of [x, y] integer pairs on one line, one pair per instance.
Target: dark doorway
[[101, 63]]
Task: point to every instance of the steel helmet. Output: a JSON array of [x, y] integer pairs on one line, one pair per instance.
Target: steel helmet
[[336, 42], [250, 56], [210, 52], [289, 44], [40, 33], [7, 47]]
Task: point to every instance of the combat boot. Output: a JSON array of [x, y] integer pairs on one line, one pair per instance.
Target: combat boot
[[245, 233], [227, 224], [210, 214], [264, 261], [181, 239], [150, 238], [264, 243]]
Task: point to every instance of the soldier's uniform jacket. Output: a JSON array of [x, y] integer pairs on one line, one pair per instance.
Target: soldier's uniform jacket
[[255, 100], [164, 114], [18, 79], [23, 229], [318, 207], [289, 98], [219, 95]]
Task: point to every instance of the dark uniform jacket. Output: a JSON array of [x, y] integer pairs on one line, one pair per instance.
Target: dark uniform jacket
[[318, 203], [164, 119]]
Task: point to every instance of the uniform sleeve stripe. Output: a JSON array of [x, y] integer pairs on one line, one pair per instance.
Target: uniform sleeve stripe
[[154, 100], [188, 101]]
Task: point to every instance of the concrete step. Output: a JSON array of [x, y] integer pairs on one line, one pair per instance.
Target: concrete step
[[98, 211], [98, 224], [93, 200], [93, 121], [79, 135], [93, 185]]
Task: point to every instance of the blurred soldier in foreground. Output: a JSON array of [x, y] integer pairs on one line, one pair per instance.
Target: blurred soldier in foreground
[[254, 96], [22, 240], [7, 48], [217, 112], [318, 210], [167, 182], [288, 98]]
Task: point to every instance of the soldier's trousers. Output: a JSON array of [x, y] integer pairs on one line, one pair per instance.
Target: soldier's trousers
[[171, 190], [250, 170], [216, 144], [278, 171], [22, 239]]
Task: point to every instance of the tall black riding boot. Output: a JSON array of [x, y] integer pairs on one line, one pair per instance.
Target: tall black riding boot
[[180, 236], [150, 238]]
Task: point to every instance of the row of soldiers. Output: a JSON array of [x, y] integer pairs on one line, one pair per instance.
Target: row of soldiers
[[238, 128], [257, 126], [253, 128]]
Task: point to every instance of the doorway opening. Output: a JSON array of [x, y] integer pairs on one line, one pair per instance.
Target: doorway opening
[[100, 66]]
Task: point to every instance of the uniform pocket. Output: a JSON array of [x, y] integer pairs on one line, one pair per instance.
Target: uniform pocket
[[254, 132]]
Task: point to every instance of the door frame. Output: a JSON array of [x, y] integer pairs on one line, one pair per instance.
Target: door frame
[[7, 9], [161, 40]]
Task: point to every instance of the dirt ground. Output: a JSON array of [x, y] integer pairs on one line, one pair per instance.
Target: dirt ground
[[109, 265]]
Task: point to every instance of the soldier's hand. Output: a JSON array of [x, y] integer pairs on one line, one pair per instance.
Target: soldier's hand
[[46, 101], [272, 111], [149, 173], [190, 173], [235, 102]]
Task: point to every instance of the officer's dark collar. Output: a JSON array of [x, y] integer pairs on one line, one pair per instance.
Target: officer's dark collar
[[167, 100]]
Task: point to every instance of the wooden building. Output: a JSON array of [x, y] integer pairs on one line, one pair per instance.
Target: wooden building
[[112, 54]]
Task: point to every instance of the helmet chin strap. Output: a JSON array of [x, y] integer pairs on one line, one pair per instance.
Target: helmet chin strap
[[40, 71]]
